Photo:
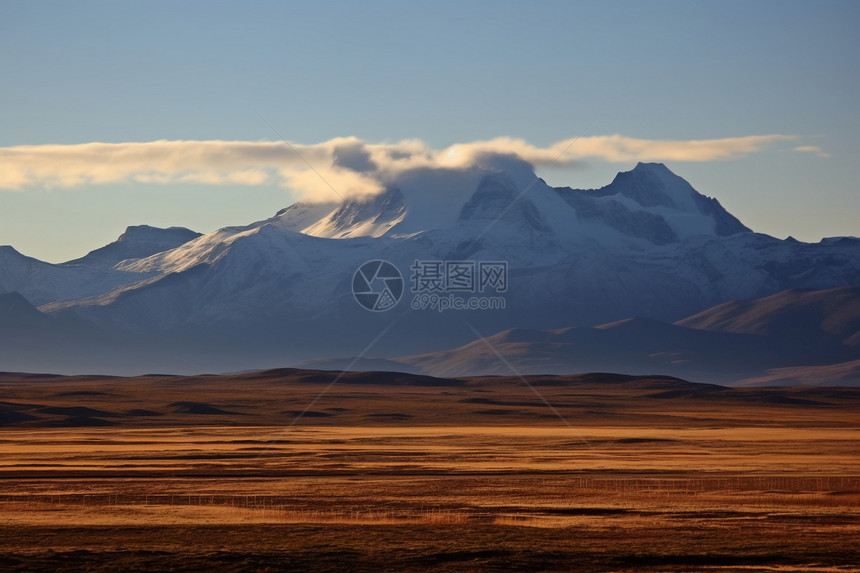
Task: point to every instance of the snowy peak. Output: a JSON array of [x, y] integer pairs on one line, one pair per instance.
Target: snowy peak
[[366, 217], [629, 222], [299, 216], [136, 242], [492, 198], [725, 223], [654, 185], [647, 203], [371, 217], [652, 203], [497, 198]]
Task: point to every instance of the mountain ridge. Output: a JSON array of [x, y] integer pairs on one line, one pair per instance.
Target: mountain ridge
[[266, 293], [136, 242], [689, 348], [831, 312]]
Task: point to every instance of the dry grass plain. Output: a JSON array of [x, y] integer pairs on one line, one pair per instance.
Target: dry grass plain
[[394, 472]]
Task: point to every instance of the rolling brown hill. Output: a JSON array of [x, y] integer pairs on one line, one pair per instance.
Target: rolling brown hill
[[832, 314], [287, 397], [796, 337]]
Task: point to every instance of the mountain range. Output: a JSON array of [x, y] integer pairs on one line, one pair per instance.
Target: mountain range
[[644, 275], [793, 337]]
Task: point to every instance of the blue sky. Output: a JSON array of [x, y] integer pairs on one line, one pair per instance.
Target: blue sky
[[443, 73]]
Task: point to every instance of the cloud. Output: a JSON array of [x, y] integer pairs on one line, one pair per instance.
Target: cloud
[[812, 149], [331, 185], [614, 149], [342, 167]]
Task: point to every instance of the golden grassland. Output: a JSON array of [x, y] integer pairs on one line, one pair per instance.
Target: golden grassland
[[643, 474]]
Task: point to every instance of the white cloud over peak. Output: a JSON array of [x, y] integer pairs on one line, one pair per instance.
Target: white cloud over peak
[[342, 167]]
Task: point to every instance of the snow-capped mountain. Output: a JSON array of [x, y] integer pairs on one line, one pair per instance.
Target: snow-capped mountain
[[135, 243], [43, 283], [278, 291], [371, 217], [653, 203]]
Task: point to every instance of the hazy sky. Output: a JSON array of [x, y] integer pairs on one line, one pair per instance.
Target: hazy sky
[[443, 73]]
